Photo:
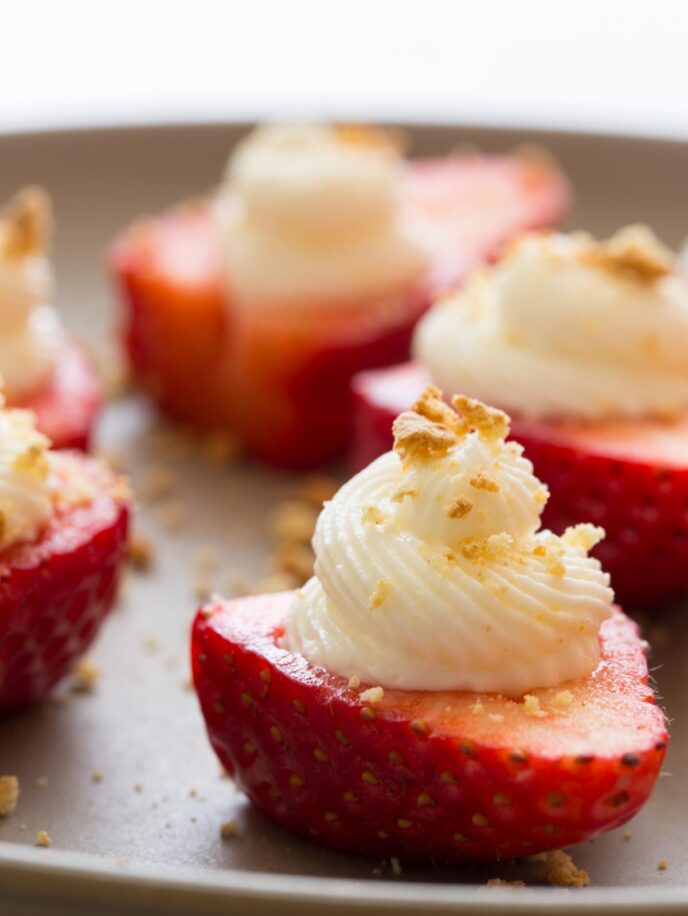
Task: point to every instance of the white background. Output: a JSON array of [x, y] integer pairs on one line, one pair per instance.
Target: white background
[[606, 65]]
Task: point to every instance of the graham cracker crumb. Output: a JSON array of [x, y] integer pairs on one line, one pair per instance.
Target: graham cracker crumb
[[459, 508], [500, 882], [628, 836], [380, 595], [84, 677], [96, 776], [531, 704], [634, 254], [561, 871], [229, 829], [494, 547], [372, 695], [477, 708], [489, 423], [141, 552], [43, 839], [562, 699], [9, 794], [354, 682], [584, 536], [662, 865], [482, 482], [431, 406], [372, 515], [417, 439]]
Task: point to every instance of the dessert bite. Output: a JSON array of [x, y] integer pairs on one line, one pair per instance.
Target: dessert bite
[[584, 342], [454, 682], [252, 309], [43, 369], [63, 532]]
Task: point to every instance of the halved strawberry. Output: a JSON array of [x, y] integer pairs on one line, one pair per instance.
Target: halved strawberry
[[175, 319], [68, 405], [629, 476], [280, 377], [423, 775], [56, 590]]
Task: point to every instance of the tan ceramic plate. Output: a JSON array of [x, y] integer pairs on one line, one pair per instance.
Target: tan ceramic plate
[[146, 836]]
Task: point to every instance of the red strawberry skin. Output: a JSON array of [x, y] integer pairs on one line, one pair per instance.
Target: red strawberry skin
[[279, 377], [67, 406], [629, 477], [421, 775], [55, 591]]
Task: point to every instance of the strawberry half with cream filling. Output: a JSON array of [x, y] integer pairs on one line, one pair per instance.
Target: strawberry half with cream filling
[[585, 344], [43, 370], [63, 534], [454, 683], [314, 261]]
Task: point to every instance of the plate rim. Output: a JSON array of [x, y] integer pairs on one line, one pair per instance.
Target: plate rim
[[23, 869]]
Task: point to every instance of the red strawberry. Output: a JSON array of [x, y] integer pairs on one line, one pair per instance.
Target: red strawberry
[[169, 273], [67, 406], [630, 477], [280, 378], [56, 590], [422, 775]]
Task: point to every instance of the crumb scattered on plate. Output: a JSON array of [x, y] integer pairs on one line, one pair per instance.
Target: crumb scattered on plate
[[229, 829], [85, 676], [561, 871], [9, 794], [43, 839]]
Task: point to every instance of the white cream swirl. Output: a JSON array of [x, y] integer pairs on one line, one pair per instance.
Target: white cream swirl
[[309, 215], [31, 333], [564, 327], [26, 487], [431, 574]]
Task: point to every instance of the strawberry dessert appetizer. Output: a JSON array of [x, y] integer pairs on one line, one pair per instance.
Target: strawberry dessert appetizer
[[454, 682], [252, 310], [585, 343], [42, 368], [63, 533]]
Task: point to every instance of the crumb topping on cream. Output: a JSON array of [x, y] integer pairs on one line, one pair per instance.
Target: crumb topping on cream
[[456, 587]]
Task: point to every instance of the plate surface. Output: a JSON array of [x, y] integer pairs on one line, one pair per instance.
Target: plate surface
[[145, 832]]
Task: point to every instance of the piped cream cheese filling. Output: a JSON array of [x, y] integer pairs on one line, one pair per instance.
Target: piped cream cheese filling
[[311, 214], [432, 572], [566, 327]]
